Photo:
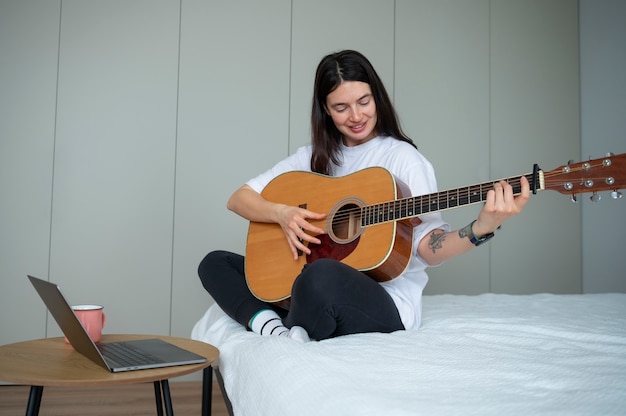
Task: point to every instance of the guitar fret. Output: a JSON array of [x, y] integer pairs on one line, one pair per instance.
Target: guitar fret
[[443, 200], [423, 204], [474, 193], [434, 205], [422, 208], [453, 200], [410, 207]]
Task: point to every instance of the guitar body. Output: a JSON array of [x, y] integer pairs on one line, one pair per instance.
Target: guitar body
[[382, 251]]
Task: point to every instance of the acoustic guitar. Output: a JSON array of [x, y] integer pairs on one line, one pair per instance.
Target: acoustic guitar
[[371, 215]]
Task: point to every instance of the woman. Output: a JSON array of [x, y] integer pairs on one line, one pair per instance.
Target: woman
[[354, 126]]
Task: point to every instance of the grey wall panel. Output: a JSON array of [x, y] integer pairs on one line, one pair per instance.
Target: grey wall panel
[[29, 36], [114, 160], [603, 125], [233, 124], [442, 96], [535, 118]]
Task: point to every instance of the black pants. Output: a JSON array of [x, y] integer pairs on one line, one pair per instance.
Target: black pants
[[328, 298]]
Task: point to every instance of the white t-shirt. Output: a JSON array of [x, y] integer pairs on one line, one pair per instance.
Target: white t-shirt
[[409, 166]]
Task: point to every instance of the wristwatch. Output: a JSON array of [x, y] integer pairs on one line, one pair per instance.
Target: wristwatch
[[481, 240], [469, 233]]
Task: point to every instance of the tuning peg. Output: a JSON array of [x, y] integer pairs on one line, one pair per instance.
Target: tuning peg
[[616, 194], [574, 198], [595, 197], [607, 162]]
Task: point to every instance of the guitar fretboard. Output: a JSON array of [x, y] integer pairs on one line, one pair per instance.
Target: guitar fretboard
[[418, 205]]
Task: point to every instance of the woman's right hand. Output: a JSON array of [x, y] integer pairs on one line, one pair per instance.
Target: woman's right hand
[[249, 204], [295, 224]]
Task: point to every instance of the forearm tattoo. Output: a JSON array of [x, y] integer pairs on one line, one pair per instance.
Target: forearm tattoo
[[465, 231], [436, 241]]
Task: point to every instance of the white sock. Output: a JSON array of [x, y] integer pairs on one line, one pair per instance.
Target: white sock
[[267, 322]]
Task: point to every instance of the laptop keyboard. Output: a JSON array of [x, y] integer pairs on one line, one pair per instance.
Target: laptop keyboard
[[126, 355]]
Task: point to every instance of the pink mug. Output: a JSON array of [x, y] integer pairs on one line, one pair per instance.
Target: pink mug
[[93, 318]]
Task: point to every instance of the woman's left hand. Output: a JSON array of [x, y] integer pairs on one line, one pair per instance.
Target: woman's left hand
[[500, 205]]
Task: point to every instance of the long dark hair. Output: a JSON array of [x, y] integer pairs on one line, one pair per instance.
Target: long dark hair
[[332, 70]]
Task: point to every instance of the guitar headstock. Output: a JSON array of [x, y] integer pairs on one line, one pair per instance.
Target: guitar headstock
[[596, 175]]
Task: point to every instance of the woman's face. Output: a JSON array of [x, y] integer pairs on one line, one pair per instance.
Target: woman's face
[[353, 110]]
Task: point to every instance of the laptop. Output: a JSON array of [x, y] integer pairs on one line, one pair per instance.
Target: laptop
[[114, 356]]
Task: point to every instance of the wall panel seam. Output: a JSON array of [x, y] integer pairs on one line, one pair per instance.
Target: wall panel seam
[[489, 125], [54, 144], [176, 120], [290, 78]]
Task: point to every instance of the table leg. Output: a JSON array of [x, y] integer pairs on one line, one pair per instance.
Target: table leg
[[207, 390], [167, 398], [34, 400], [157, 397], [163, 387]]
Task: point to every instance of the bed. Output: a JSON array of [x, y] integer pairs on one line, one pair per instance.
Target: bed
[[489, 354]]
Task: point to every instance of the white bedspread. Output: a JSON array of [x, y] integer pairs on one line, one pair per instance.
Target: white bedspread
[[474, 355]]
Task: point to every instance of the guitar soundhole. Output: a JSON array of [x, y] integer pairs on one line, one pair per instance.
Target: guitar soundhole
[[346, 223], [344, 232]]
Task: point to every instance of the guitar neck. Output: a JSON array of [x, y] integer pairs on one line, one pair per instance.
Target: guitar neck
[[414, 206]]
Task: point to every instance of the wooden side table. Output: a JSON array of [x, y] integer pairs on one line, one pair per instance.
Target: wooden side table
[[52, 362]]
